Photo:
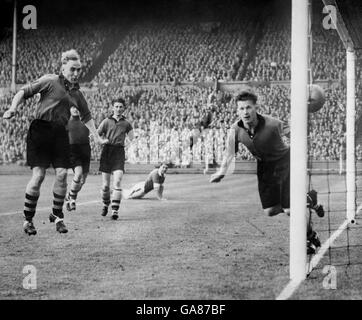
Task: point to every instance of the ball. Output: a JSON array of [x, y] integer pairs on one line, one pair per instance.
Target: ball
[[316, 98]]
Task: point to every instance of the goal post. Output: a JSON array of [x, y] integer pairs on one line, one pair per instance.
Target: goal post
[[348, 43], [298, 139], [299, 130], [350, 136]]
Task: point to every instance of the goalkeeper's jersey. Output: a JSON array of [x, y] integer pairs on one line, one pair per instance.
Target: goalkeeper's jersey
[[266, 144]]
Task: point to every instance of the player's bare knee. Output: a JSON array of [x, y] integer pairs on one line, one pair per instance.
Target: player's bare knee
[[61, 177], [106, 185], [37, 178], [117, 184], [117, 179], [78, 177]]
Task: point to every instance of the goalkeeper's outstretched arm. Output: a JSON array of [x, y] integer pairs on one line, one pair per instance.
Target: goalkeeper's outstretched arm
[[227, 159], [217, 176]]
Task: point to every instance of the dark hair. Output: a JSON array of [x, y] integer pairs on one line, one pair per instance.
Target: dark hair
[[119, 100], [245, 96], [159, 165]]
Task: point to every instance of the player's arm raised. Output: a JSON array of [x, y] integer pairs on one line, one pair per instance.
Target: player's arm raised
[[17, 100], [43, 84]]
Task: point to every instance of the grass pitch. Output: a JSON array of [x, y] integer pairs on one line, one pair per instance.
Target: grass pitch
[[207, 241]]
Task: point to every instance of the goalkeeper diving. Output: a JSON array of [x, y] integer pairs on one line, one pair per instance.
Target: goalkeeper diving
[[263, 136]]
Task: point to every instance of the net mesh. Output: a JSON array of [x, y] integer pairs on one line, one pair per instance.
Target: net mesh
[[328, 177]]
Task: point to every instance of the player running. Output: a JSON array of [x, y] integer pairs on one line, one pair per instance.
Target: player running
[[263, 136], [154, 181], [80, 154], [115, 128], [47, 140]]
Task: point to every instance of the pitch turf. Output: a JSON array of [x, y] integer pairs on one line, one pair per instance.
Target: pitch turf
[[207, 241]]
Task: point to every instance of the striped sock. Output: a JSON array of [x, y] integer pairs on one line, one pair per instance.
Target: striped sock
[[30, 206], [116, 199], [74, 189], [58, 202], [106, 196]]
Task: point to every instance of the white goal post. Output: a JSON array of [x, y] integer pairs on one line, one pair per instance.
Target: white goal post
[[299, 118]]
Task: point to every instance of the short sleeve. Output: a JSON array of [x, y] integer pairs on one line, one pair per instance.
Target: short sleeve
[[38, 86]]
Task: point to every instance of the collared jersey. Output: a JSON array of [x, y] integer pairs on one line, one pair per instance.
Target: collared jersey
[[115, 131], [57, 96], [153, 177], [267, 142], [78, 132]]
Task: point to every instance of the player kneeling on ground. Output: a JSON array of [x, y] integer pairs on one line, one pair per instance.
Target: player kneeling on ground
[[263, 136], [154, 181]]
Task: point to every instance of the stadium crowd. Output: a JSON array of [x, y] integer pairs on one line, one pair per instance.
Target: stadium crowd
[[171, 125], [177, 52], [38, 51], [172, 121], [273, 56]]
